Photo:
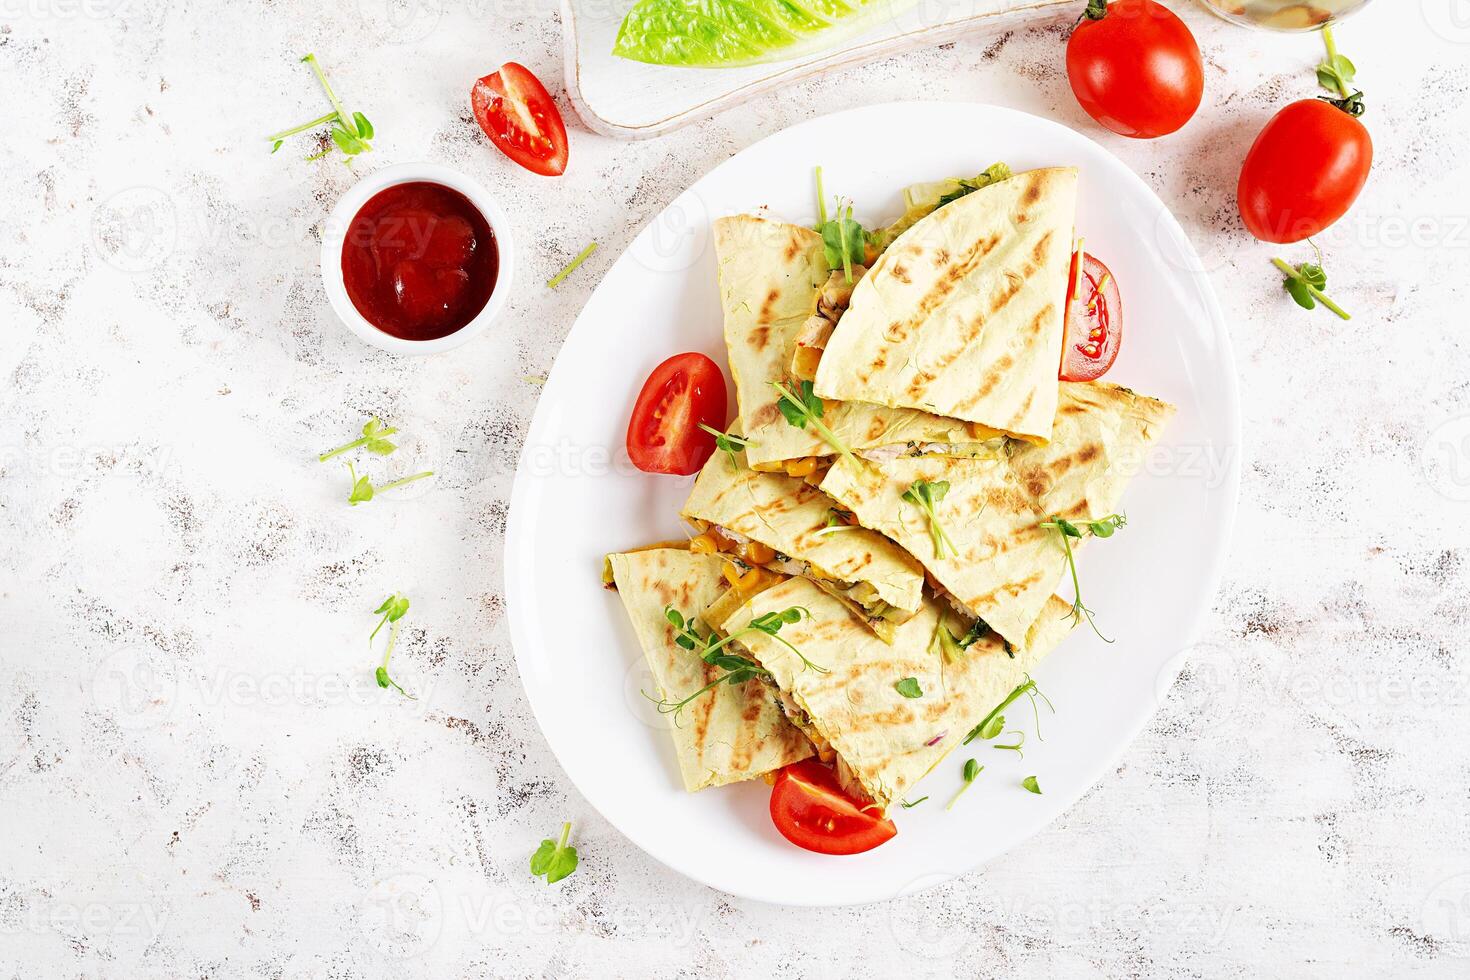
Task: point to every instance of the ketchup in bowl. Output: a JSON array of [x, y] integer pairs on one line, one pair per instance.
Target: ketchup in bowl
[[419, 260]]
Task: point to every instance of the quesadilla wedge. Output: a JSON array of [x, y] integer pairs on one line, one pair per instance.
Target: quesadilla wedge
[[771, 275], [962, 315], [729, 733], [881, 741], [794, 521], [1002, 564]]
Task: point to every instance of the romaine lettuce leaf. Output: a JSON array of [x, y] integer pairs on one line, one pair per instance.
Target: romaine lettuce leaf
[[728, 33]]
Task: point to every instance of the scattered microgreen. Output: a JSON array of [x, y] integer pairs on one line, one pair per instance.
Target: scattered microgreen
[[971, 770], [925, 495], [374, 439], [992, 174], [801, 407], [1305, 282], [555, 860], [835, 522], [1031, 785], [363, 489], [844, 241], [394, 608], [728, 443], [909, 687], [711, 650], [571, 266], [349, 132], [992, 724], [909, 806], [1016, 748], [1101, 527]]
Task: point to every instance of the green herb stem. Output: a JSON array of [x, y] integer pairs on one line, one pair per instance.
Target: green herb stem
[[821, 202], [342, 115], [404, 480], [324, 118], [364, 440], [571, 266], [1316, 293], [1328, 40]]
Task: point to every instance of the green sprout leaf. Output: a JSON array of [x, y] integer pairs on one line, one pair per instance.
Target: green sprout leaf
[[971, 770], [801, 407], [349, 132], [392, 609], [1102, 527], [990, 726], [728, 443], [909, 687], [363, 489], [374, 438], [1031, 785], [555, 860], [925, 495], [909, 806], [992, 174], [1305, 284]]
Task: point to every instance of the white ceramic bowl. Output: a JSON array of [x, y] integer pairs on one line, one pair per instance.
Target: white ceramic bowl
[[335, 233]]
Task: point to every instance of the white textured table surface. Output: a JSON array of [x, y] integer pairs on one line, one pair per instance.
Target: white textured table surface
[[197, 777]]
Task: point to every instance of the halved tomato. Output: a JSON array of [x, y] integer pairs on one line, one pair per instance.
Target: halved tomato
[[520, 117], [810, 810], [664, 434], [1094, 328]]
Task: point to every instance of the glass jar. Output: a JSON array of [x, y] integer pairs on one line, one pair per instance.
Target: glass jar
[[1285, 15]]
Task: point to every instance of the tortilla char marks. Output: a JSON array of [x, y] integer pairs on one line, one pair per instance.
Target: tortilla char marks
[[993, 377], [704, 709], [1011, 590], [877, 425], [765, 415], [766, 314], [901, 273]]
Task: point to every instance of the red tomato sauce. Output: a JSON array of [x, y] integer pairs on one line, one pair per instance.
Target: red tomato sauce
[[419, 260]]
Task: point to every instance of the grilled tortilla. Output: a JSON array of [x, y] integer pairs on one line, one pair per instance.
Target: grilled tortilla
[[1008, 565], [876, 578], [771, 274], [962, 315], [883, 742], [729, 733]]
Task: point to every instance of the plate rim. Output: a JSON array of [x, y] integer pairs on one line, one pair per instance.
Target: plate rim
[[1229, 495]]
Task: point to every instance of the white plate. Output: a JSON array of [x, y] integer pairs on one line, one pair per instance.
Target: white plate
[[576, 497]]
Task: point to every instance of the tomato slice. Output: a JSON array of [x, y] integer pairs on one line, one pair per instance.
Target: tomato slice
[[664, 434], [1094, 330], [810, 810], [520, 117]]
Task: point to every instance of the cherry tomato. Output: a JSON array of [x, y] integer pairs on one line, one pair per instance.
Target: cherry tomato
[[1135, 68], [810, 810], [520, 117], [1303, 172], [1094, 323], [664, 434]]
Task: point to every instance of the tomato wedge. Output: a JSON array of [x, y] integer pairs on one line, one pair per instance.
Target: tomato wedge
[[520, 117], [1094, 330], [664, 434], [810, 810]]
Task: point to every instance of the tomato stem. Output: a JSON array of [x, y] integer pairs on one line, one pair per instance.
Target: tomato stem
[[1096, 9], [1316, 293]]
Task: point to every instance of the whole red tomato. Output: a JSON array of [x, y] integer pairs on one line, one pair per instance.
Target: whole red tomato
[[1135, 68], [1303, 172]]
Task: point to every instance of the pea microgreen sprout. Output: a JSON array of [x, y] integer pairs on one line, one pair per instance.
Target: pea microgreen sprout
[[1101, 527], [728, 443], [994, 722], [844, 241], [1031, 785], [350, 133], [909, 806], [1016, 748], [363, 489], [801, 407], [555, 859], [374, 439], [1305, 282], [925, 495], [972, 769], [571, 266], [711, 650], [835, 522], [394, 608]]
